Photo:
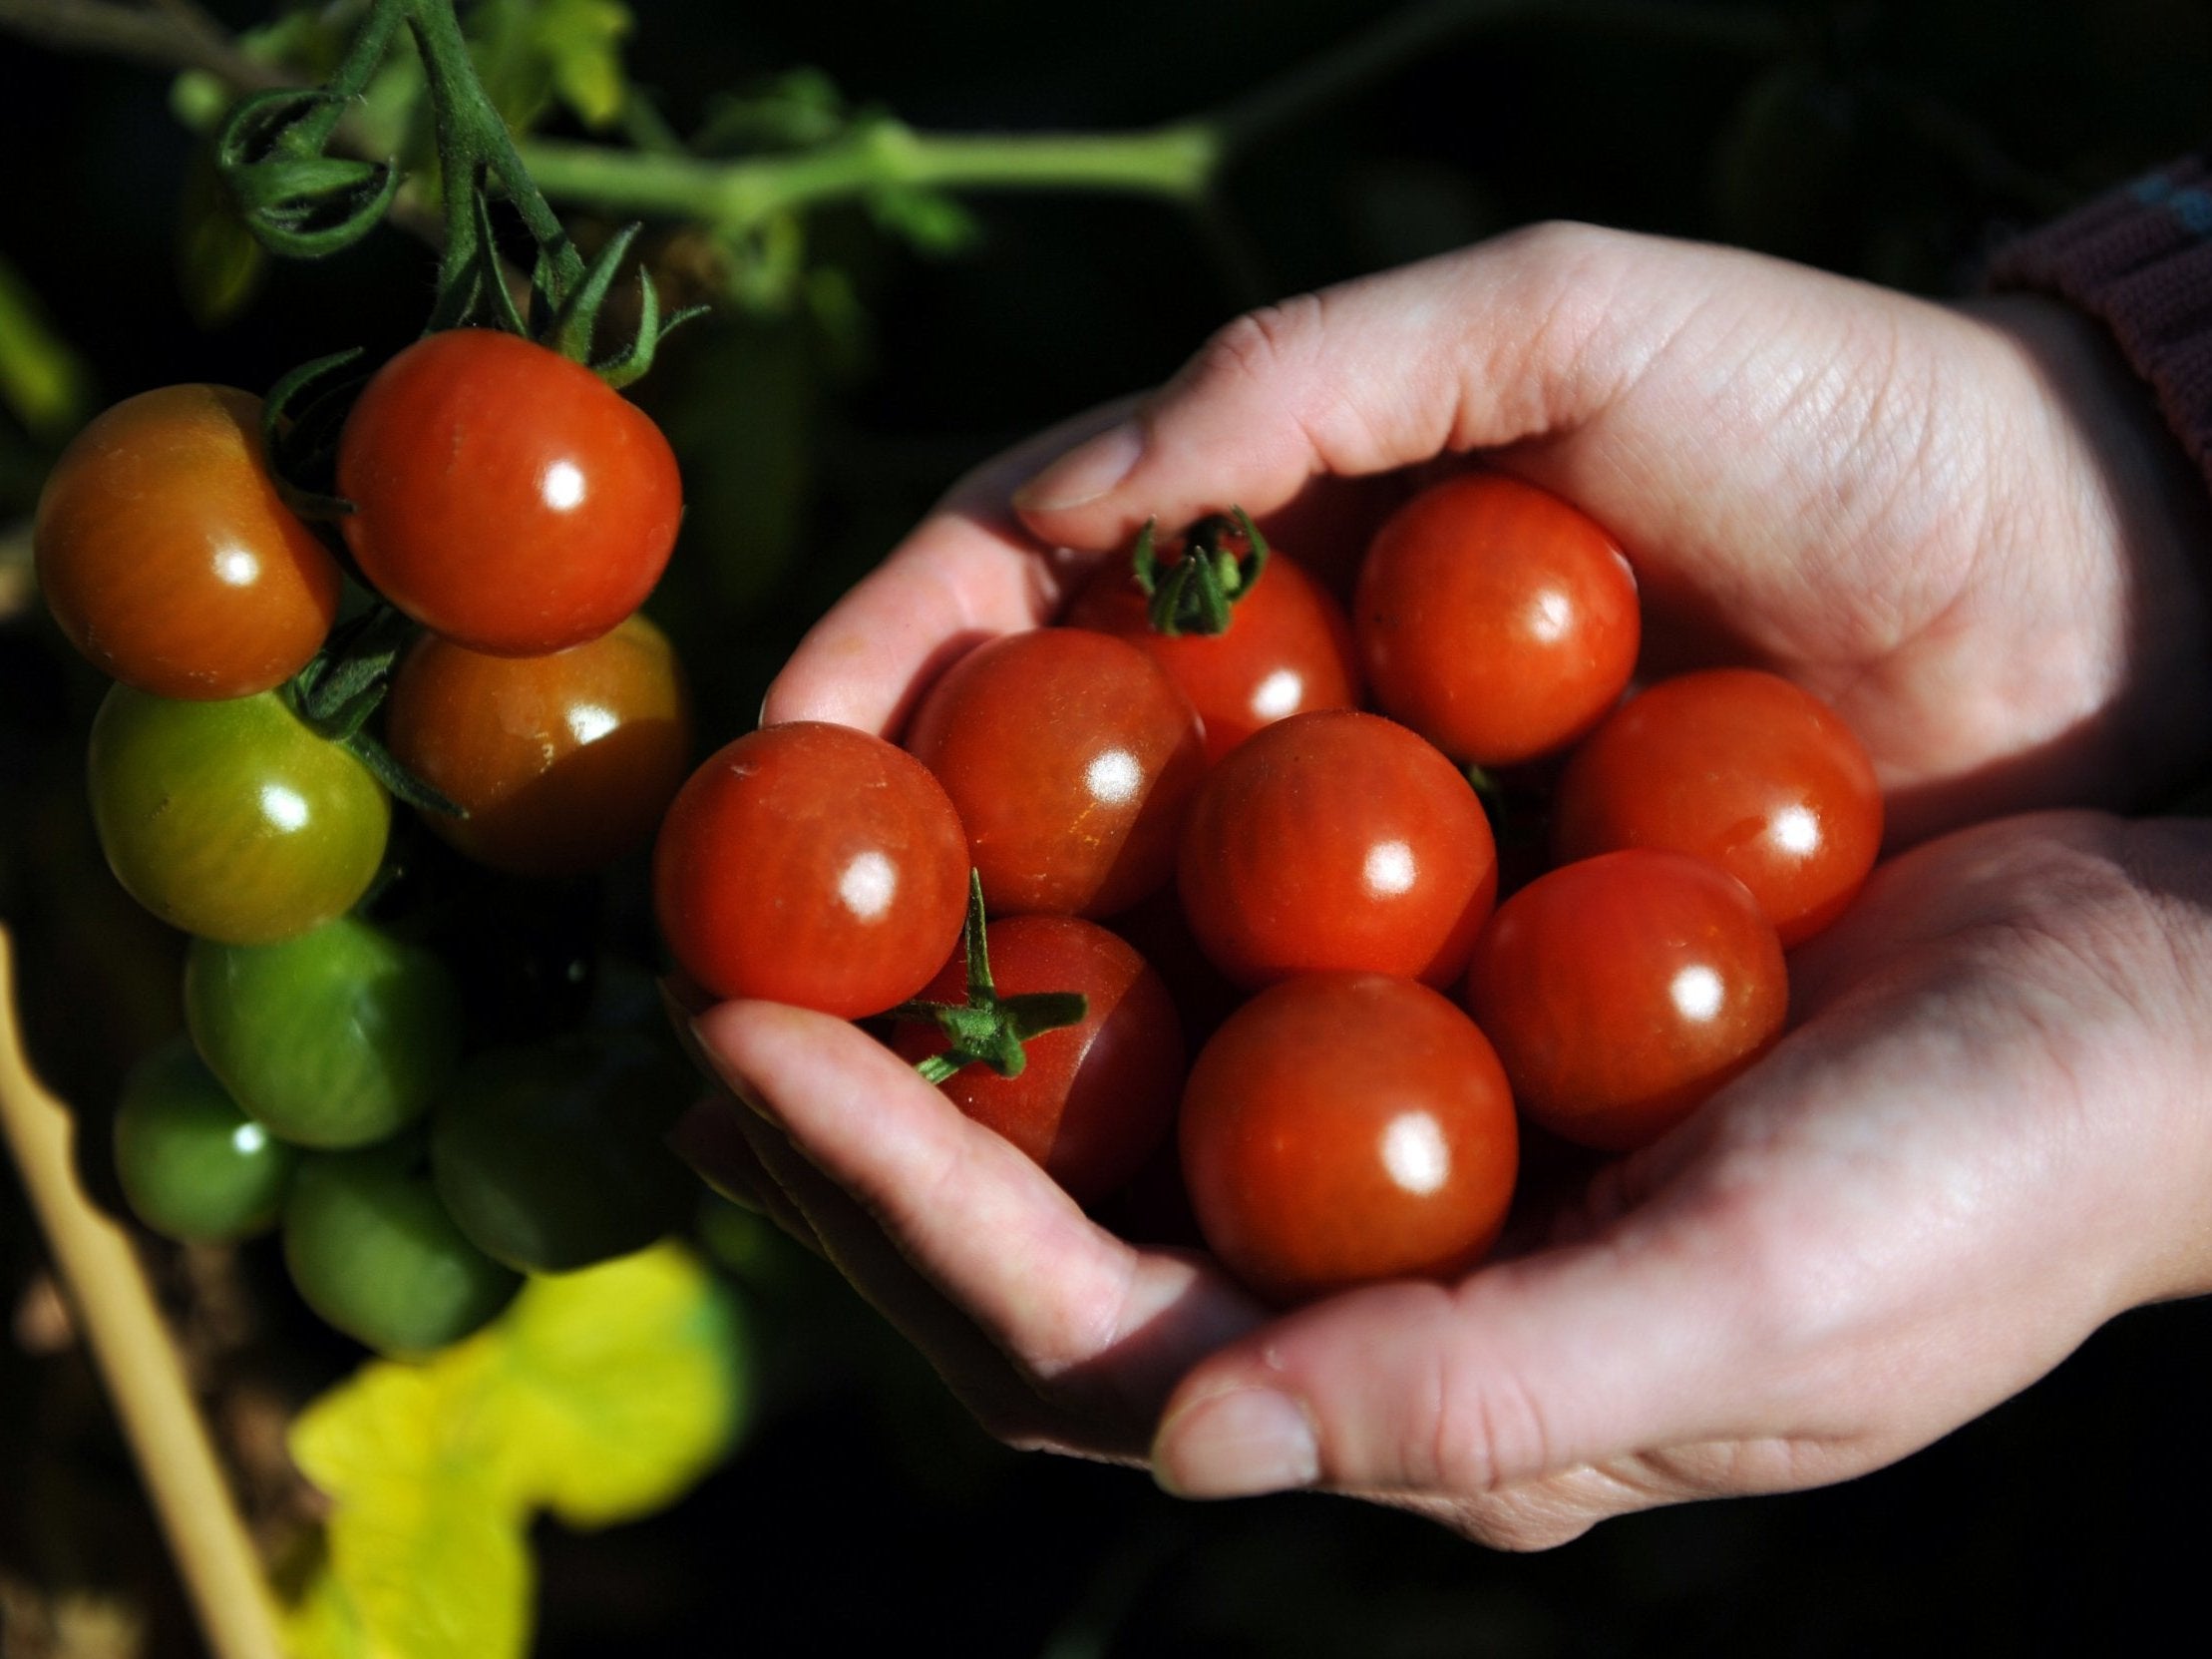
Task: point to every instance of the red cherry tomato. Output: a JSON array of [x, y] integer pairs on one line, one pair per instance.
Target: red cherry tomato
[[504, 496], [1622, 991], [1345, 1127], [1337, 840], [563, 762], [1095, 1097], [812, 864], [1742, 768], [1071, 757], [1288, 649], [167, 557], [1495, 620]]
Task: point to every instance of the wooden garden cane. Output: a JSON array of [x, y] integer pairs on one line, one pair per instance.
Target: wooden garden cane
[[115, 1310]]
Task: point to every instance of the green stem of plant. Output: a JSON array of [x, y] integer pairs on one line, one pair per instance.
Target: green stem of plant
[[1175, 162], [472, 136], [352, 75]]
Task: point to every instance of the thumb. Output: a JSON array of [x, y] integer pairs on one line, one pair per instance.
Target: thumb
[[1528, 335], [1530, 1369]]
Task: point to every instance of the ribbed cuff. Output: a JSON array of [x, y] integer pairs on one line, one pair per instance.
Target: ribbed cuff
[[2140, 258]]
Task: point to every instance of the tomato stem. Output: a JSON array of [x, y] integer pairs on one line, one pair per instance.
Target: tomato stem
[[987, 1028], [1196, 591]]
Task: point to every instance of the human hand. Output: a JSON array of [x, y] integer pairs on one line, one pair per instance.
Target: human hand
[[1969, 532], [1983, 1139], [1965, 528]]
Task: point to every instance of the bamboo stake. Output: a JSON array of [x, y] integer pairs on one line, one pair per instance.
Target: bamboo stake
[[115, 1308]]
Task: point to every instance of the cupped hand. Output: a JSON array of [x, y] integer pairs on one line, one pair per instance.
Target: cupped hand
[[1983, 1139], [1966, 529]]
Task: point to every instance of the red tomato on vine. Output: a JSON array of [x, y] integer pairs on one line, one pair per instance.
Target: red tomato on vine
[[504, 497]]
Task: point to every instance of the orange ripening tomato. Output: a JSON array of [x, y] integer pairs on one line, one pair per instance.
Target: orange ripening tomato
[[563, 764], [170, 560], [1495, 620]]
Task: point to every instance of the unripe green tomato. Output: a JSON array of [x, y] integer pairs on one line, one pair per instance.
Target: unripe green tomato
[[231, 820], [332, 1040], [192, 1165], [374, 1252], [552, 1159]]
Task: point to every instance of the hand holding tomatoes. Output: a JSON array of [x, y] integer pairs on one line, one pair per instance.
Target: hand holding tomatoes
[[1850, 1249]]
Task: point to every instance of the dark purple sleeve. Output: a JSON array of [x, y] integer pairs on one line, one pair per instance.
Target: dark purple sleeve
[[2140, 258]]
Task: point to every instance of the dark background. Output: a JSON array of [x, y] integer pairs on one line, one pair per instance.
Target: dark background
[[1894, 141]]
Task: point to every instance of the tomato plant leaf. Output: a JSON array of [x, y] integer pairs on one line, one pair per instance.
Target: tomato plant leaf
[[616, 1387], [581, 41], [425, 1545]]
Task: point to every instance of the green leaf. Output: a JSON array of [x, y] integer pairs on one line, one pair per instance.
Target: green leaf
[[618, 1386], [43, 383], [425, 1542], [583, 44]]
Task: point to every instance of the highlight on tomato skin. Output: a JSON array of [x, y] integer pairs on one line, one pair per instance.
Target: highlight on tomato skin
[[167, 557], [1337, 840], [1496, 620], [1094, 1100], [1738, 766], [812, 864], [1344, 1128], [1072, 758], [1621, 991], [504, 497], [562, 763]]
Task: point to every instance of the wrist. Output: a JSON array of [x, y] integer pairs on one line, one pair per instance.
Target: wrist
[[2137, 532]]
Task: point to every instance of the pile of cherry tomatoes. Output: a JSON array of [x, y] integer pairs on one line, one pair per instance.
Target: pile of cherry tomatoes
[[385, 1057], [1270, 837]]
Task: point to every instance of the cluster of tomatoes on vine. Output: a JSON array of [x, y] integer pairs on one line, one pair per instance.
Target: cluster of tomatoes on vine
[[1215, 802], [406, 1050]]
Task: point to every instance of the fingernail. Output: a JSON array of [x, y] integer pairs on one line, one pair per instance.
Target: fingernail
[[1237, 1444], [1085, 472]]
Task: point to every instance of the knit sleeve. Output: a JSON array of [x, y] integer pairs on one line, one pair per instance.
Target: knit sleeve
[[2140, 258]]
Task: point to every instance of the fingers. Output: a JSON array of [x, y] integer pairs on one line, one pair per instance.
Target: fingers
[[967, 573], [1093, 1321], [1511, 339]]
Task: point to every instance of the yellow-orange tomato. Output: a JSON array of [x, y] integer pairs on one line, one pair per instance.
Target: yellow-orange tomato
[[167, 557], [563, 762]]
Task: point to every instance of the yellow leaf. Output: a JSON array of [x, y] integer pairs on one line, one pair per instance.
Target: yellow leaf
[[426, 1543], [616, 1387]]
